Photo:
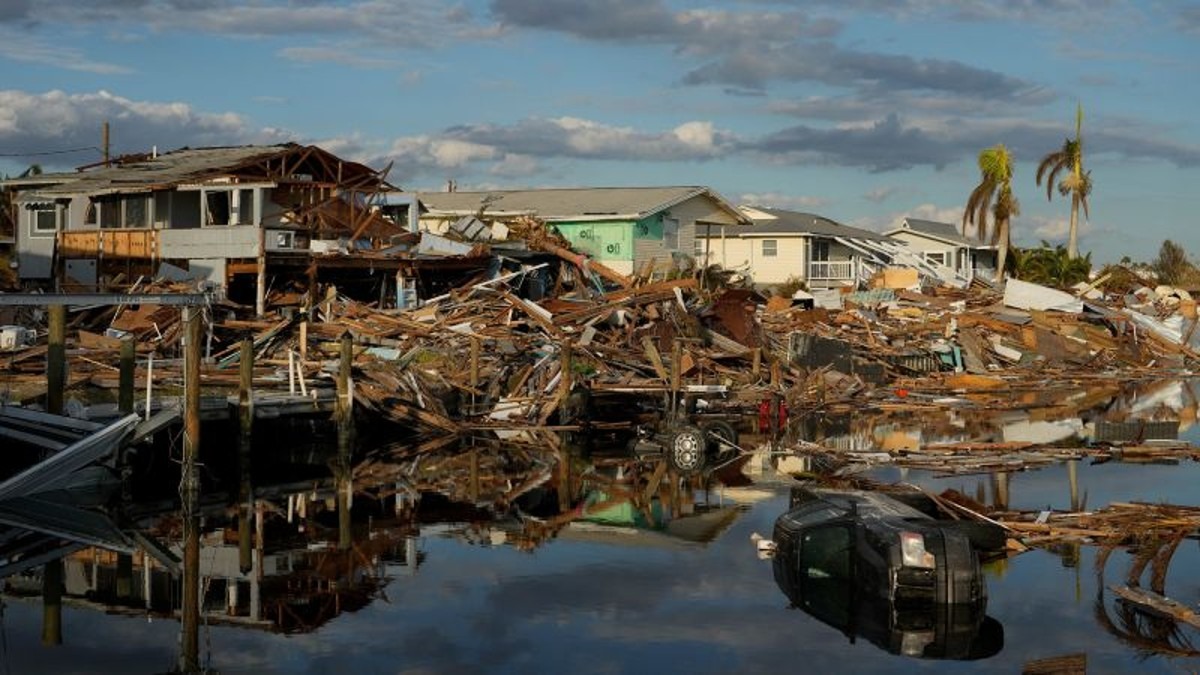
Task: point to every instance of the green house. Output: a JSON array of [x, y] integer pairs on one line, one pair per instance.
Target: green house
[[624, 228]]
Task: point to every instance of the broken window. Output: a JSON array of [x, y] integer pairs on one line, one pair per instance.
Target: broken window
[[89, 216], [245, 210], [938, 257], [217, 207], [770, 248]]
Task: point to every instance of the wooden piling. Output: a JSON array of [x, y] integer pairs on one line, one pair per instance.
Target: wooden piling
[[56, 360], [52, 588], [344, 415], [124, 576], [125, 393], [189, 658], [245, 436]]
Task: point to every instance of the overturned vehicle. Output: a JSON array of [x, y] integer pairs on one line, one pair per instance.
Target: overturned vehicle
[[870, 564]]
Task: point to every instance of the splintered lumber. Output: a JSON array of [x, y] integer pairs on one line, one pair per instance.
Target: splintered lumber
[[1157, 604], [1067, 664]]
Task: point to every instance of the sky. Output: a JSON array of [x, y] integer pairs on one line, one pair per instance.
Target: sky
[[862, 111]]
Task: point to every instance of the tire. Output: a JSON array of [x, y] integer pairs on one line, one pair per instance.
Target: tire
[[687, 450], [722, 439]]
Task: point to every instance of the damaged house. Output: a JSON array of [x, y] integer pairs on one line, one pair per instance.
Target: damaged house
[[627, 229], [942, 245], [786, 245], [242, 217]]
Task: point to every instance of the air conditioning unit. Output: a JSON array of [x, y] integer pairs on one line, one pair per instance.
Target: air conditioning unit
[[13, 338], [280, 240]]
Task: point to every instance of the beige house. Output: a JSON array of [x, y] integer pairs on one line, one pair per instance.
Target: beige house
[[941, 244], [784, 245]]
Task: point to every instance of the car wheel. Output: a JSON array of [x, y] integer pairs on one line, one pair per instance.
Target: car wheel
[[686, 450], [722, 439]]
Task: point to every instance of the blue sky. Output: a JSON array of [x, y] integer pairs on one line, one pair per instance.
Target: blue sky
[[864, 111]]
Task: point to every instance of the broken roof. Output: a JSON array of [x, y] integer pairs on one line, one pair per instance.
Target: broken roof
[[567, 204], [769, 222], [942, 231], [190, 165]]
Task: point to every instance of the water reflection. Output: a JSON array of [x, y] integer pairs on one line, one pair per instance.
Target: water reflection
[[296, 538]]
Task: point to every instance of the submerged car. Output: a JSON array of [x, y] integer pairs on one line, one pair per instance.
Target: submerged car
[[885, 547], [871, 564]]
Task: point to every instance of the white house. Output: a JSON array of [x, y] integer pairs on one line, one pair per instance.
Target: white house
[[942, 244], [783, 245]]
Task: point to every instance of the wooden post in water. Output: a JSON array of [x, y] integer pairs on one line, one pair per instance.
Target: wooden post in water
[[245, 435], [1073, 480], [1001, 489], [52, 588], [56, 360], [124, 576], [125, 394], [344, 413], [189, 657], [474, 478]]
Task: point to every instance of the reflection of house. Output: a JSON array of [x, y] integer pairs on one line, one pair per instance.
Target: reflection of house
[[783, 245], [624, 228], [941, 244], [216, 214]]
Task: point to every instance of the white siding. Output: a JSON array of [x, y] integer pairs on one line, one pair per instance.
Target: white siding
[[693, 215], [745, 253], [235, 241], [921, 245]]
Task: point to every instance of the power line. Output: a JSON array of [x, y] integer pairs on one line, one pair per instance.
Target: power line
[[50, 152]]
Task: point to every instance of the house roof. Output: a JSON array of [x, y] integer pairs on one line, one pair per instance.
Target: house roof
[[567, 204], [768, 222], [187, 165], [946, 232]]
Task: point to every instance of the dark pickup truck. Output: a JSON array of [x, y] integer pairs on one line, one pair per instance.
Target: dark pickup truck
[[871, 564]]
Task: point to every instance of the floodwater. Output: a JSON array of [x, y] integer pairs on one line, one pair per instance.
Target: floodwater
[[482, 561]]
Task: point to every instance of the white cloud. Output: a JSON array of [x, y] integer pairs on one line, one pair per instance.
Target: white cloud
[[56, 120], [777, 200]]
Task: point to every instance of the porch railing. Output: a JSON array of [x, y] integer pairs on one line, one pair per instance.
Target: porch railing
[[831, 269]]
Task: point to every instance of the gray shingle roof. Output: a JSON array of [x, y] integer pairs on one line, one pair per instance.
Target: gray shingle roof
[[798, 222], [944, 231], [571, 203]]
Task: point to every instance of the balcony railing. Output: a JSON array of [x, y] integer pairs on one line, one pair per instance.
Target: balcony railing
[[831, 269]]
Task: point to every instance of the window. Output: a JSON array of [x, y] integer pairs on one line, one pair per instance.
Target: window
[[89, 216], [938, 257], [135, 212], [43, 220], [218, 208], [820, 250], [245, 209], [110, 214], [671, 233], [770, 248]]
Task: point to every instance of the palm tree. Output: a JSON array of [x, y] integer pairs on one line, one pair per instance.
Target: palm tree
[[1077, 183], [994, 193]]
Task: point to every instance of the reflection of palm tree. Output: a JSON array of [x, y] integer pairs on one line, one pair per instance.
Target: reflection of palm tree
[[1077, 183], [1146, 632], [994, 194]]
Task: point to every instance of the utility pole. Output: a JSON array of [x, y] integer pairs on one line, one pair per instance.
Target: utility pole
[[104, 142]]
